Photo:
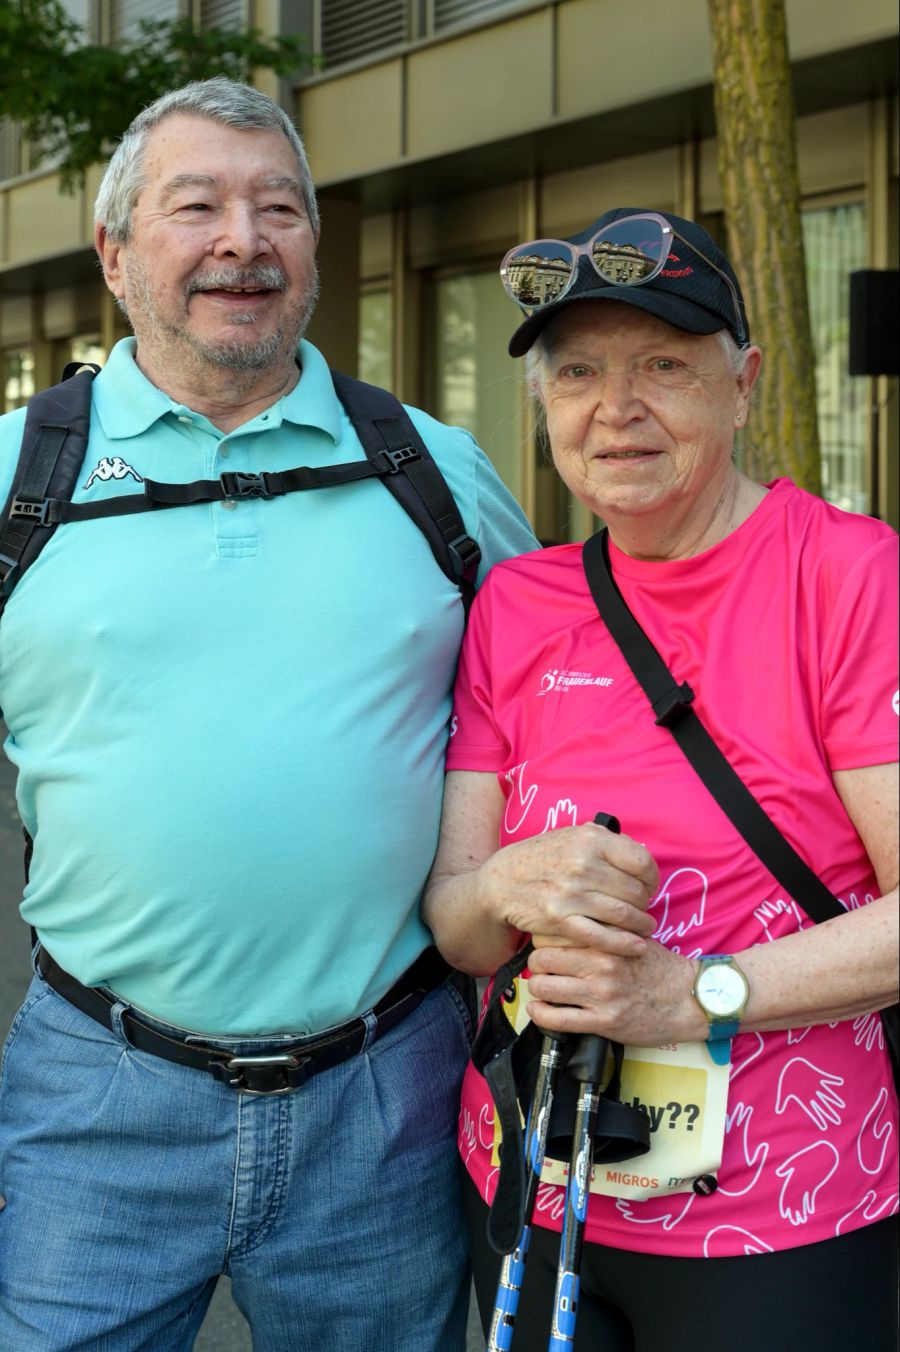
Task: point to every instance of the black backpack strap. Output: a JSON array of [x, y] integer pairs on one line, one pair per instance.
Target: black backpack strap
[[50, 459], [55, 440], [384, 429], [157, 495]]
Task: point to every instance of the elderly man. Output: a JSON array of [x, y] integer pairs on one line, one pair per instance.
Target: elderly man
[[240, 1052]]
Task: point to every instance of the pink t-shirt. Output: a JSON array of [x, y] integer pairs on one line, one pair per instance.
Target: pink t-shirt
[[786, 631]]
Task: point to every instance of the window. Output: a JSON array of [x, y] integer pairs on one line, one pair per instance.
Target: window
[[475, 384], [835, 242], [82, 11], [351, 29], [446, 13], [18, 378], [376, 338], [86, 347], [125, 17], [224, 14]]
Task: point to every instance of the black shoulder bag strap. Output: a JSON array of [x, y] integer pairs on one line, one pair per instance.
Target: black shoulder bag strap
[[384, 429], [671, 703]]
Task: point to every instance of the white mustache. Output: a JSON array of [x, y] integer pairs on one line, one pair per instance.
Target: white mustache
[[266, 276]]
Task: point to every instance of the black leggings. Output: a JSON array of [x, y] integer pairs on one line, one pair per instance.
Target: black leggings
[[828, 1297]]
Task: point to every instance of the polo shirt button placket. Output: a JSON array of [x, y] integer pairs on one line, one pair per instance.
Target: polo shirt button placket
[[229, 504]]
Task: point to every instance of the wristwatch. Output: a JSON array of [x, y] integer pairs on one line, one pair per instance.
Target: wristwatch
[[722, 991]]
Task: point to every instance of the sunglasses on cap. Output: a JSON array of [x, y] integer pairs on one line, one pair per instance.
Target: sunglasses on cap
[[628, 252]]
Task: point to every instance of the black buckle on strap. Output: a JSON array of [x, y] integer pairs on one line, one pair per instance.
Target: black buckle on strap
[[672, 707], [263, 1076], [465, 555], [33, 509], [396, 459], [237, 485]]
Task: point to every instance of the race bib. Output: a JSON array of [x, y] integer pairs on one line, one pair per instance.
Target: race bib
[[682, 1092]]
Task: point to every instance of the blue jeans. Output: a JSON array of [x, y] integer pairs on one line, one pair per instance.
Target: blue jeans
[[132, 1183]]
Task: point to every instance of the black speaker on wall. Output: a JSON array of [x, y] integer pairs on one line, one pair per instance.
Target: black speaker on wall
[[874, 324]]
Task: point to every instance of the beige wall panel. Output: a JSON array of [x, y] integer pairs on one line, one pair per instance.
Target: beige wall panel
[[605, 63], [264, 14], [814, 27], [477, 88], [570, 201], [831, 148], [71, 310], [375, 246], [352, 124], [16, 318], [42, 220], [479, 223], [611, 55]]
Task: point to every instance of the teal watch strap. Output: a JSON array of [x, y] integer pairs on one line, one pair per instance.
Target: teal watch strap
[[719, 1046]]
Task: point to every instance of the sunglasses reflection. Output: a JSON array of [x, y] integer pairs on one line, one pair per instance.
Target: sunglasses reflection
[[536, 278]]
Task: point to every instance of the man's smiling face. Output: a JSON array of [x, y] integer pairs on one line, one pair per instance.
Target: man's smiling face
[[219, 269]]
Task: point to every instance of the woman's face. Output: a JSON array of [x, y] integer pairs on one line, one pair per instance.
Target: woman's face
[[640, 415]]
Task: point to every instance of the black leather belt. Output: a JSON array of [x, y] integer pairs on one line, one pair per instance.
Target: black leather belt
[[279, 1073]]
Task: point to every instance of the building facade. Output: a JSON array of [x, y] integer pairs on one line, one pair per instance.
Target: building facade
[[441, 132]]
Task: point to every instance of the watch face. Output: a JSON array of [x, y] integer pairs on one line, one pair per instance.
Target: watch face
[[721, 990]]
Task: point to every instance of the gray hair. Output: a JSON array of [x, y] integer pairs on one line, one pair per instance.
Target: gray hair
[[220, 100], [538, 357]]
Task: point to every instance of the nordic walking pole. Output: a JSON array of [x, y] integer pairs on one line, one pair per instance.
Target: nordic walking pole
[[586, 1064], [512, 1271], [509, 1287]]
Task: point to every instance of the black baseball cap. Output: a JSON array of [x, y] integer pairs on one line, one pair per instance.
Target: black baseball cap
[[688, 293]]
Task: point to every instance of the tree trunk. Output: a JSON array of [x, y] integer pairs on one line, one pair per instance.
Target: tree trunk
[[757, 158]]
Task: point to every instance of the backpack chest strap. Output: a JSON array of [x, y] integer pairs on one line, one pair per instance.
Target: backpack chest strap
[[231, 485]]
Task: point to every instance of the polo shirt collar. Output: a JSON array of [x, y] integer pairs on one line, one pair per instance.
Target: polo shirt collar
[[312, 402], [127, 403]]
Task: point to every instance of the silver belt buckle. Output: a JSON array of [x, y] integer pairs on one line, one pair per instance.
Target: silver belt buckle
[[240, 1064]]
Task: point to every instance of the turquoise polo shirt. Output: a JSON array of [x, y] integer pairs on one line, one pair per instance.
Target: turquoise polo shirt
[[229, 720]]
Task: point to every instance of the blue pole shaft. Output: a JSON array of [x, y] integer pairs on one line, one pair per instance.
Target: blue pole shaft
[[512, 1272]]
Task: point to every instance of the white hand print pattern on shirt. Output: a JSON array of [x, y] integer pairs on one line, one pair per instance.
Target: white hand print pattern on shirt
[[813, 1089], [685, 885], [798, 1200], [875, 1135], [787, 1124]]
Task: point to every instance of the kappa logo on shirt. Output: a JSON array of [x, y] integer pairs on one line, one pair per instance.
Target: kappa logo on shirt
[[116, 468], [559, 680]]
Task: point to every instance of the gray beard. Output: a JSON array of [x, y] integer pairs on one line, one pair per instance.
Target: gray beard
[[227, 355]]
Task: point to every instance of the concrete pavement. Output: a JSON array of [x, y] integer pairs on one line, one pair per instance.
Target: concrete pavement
[[224, 1329]]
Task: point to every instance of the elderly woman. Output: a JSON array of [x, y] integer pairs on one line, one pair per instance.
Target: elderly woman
[[780, 613]]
